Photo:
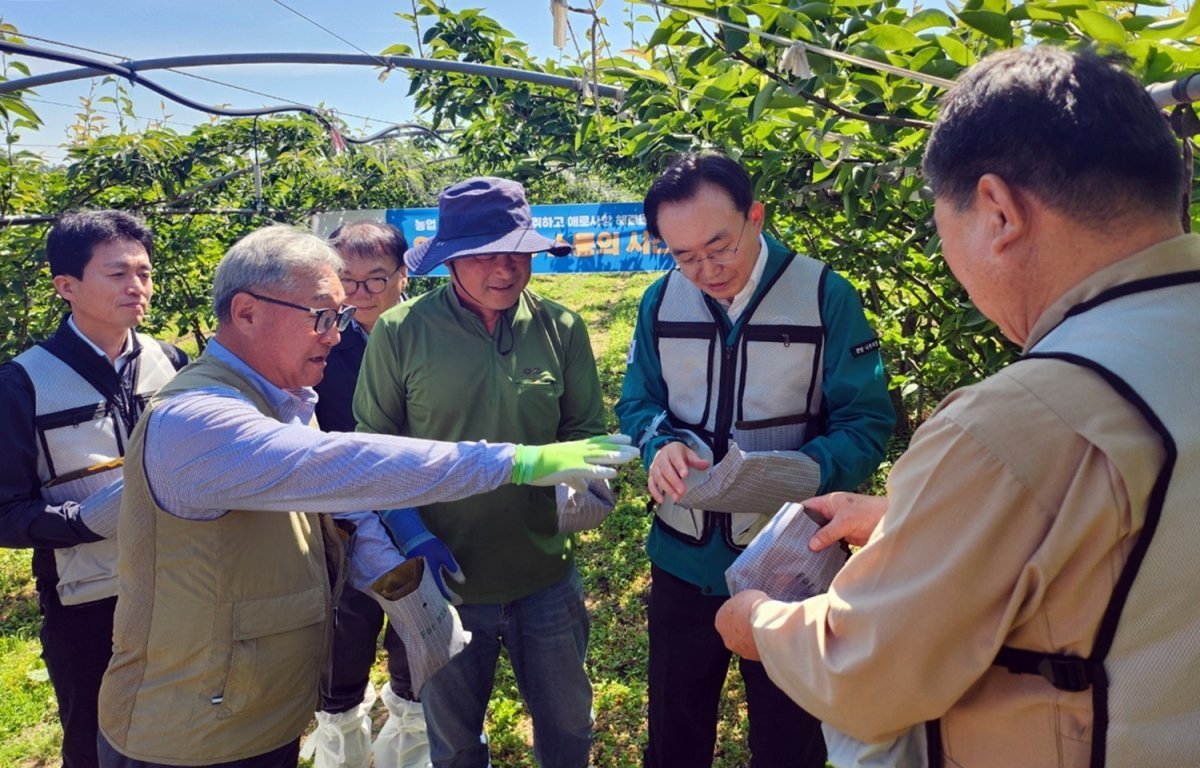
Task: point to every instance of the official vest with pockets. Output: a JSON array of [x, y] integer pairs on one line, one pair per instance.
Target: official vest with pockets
[[81, 437], [1145, 663], [222, 626], [761, 390]]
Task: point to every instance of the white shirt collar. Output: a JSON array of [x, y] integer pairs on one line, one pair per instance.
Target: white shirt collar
[[294, 406], [126, 348], [742, 299]]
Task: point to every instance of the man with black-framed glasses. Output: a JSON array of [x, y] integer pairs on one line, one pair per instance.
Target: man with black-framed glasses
[[374, 279], [323, 319], [228, 570], [745, 346]]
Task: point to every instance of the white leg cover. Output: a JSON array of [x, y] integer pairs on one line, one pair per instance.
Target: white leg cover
[[402, 742], [342, 740]]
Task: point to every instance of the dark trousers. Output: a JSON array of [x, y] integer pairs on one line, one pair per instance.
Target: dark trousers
[[688, 664], [355, 638], [286, 756], [76, 646]]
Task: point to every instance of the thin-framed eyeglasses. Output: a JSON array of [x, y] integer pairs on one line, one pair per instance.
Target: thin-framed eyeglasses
[[721, 257], [371, 285], [324, 318]]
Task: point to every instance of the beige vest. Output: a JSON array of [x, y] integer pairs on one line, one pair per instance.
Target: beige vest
[[1147, 700], [221, 626]]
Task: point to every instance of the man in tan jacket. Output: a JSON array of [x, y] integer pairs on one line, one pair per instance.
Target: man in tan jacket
[[1021, 586]]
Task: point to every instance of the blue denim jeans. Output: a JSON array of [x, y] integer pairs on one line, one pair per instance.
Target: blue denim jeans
[[546, 636]]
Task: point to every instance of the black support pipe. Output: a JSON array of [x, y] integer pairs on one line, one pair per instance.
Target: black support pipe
[[88, 67]]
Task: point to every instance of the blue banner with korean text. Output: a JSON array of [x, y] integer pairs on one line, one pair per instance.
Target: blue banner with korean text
[[605, 237]]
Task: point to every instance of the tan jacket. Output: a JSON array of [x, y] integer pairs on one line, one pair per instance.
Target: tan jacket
[[221, 625], [1010, 517]]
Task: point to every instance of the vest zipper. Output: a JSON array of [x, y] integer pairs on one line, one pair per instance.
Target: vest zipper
[[724, 404]]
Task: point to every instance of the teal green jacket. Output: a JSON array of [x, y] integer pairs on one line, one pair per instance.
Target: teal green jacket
[[856, 411], [432, 370]]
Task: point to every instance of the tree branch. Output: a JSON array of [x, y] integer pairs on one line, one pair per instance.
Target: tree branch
[[901, 122]]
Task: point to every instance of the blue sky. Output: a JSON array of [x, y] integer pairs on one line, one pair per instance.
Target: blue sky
[[140, 29]]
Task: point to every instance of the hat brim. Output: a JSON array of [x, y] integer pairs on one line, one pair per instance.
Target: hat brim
[[425, 257]]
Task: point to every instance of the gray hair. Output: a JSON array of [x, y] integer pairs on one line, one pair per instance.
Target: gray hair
[[277, 256]]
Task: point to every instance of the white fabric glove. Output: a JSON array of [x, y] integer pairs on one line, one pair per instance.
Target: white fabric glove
[[422, 617], [583, 506]]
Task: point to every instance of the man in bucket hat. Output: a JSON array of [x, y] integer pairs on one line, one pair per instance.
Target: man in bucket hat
[[482, 358]]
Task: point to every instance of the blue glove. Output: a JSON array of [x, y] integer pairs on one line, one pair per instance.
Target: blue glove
[[415, 540]]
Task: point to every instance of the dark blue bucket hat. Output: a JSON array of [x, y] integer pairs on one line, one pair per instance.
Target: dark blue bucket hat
[[480, 216]]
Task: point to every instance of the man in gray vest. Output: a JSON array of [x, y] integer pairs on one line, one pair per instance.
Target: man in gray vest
[[1026, 585], [68, 406], [228, 571], [746, 349]]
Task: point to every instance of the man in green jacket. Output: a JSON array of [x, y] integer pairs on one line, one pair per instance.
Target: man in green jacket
[[482, 358], [745, 346]]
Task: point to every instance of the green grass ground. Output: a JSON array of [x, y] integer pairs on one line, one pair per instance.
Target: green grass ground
[[612, 562]]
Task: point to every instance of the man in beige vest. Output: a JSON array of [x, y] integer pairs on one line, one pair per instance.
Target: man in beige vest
[[1025, 586], [227, 574]]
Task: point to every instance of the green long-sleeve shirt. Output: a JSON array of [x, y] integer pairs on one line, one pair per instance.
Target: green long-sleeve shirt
[[432, 370], [857, 412]]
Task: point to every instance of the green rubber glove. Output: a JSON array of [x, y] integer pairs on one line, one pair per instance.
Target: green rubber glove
[[575, 460]]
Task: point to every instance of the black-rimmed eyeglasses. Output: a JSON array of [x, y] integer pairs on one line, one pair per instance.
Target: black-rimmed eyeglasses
[[324, 318], [371, 285]]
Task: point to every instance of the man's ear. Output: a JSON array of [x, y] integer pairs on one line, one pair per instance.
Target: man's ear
[[65, 286], [243, 311], [757, 214], [1005, 209]]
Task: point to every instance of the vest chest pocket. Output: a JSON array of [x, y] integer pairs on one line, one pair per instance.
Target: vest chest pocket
[[779, 378], [77, 437], [691, 367], [275, 652]]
